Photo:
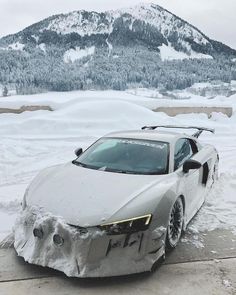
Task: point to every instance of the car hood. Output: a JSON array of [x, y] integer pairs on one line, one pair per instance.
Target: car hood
[[87, 197]]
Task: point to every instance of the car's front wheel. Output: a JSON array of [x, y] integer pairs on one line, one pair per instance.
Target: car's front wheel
[[175, 224]]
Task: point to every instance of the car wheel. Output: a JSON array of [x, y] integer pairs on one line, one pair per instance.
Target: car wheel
[[175, 225]]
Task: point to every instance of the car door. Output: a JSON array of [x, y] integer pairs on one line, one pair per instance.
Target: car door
[[185, 149]]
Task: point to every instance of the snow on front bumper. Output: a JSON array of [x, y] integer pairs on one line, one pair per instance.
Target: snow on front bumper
[[46, 240]]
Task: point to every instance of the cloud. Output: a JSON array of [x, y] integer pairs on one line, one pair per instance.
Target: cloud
[[215, 18]]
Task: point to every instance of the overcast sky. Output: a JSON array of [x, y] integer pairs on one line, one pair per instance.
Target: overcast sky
[[215, 18]]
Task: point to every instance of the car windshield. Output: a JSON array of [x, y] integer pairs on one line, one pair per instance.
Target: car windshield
[[123, 155]]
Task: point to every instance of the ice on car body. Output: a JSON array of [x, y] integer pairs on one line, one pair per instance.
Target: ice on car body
[[80, 253]]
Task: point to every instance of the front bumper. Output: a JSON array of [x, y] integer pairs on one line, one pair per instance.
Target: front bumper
[[84, 254]]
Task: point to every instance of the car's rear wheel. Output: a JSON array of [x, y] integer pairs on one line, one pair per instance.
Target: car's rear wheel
[[175, 224]]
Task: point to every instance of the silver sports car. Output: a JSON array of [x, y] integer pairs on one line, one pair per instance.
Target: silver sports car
[[119, 206]]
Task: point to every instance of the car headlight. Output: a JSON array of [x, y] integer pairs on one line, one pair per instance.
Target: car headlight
[[126, 226]]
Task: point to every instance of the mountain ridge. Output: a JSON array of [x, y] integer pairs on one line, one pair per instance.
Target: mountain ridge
[[144, 38], [55, 24]]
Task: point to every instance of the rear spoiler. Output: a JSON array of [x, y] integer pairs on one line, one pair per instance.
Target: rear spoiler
[[196, 134]]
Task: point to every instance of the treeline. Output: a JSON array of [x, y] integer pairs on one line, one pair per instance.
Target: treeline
[[125, 67]]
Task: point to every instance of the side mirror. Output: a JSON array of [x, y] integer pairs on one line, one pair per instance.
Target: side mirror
[[191, 165], [78, 152]]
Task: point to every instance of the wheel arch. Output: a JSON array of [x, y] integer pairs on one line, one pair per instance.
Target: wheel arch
[[184, 207], [205, 174], [183, 201]]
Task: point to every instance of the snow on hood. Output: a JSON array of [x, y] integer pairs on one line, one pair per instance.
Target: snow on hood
[[87, 197]]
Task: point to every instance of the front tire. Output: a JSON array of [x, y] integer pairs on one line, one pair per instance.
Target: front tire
[[175, 224]]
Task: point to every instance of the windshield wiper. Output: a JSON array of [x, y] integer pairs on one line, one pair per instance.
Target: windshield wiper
[[121, 171], [75, 162], [115, 170], [80, 164]]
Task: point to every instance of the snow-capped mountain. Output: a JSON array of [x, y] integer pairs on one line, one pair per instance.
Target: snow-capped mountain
[[146, 24], [133, 42]]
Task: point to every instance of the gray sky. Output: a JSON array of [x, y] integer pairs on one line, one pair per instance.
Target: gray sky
[[215, 18]]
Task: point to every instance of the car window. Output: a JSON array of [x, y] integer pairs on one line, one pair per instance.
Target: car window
[[184, 150], [105, 146], [125, 155]]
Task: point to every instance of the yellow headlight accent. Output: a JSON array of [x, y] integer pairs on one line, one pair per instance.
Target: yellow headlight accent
[[148, 220]]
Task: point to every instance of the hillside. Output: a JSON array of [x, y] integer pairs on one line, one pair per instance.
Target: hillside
[[140, 46]]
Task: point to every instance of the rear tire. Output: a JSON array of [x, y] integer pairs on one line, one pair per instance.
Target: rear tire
[[175, 224]]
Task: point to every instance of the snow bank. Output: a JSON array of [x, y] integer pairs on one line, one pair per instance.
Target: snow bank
[[92, 118], [219, 210], [10, 203], [151, 99]]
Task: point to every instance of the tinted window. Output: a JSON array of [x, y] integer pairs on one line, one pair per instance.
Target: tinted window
[[183, 152], [124, 155]]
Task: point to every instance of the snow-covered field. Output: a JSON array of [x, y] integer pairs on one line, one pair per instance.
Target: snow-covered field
[[34, 140], [169, 53]]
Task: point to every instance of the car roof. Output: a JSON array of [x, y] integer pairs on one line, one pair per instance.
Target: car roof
[[158, 135]]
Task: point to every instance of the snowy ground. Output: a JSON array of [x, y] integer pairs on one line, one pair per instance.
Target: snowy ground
[[33, 140]]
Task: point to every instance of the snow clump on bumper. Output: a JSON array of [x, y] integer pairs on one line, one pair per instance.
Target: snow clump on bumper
[[47, 240]]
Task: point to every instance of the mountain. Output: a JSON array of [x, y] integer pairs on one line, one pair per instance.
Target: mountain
[[143, 45]]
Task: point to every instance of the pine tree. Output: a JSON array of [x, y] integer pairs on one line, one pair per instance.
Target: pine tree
[[5, 91]]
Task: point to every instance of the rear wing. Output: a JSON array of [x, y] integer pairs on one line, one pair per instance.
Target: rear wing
[[196, 134]]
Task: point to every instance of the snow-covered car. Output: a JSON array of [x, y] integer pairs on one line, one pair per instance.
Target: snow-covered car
[[119, 206]]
